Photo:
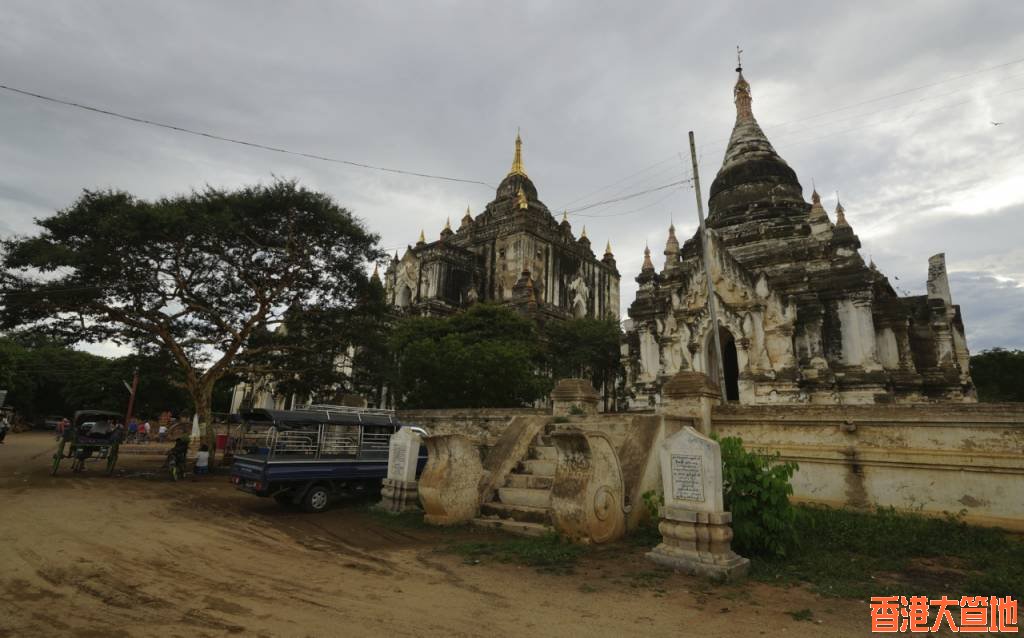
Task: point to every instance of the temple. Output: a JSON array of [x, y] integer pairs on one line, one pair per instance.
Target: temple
[[514, 252], [801, 317]]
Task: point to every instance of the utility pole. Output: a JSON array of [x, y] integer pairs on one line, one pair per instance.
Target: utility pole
[[131, 397], [707, 272]]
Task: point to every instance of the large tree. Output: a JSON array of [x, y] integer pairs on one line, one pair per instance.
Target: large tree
[[585, 348], [998, 374], [197, 275]]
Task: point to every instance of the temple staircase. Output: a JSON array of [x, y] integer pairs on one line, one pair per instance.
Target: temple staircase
[[523, 504]]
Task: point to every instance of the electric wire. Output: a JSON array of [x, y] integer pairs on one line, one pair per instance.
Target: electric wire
[[223, 138]]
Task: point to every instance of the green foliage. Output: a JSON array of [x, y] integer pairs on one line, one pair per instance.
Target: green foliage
[[849, 553], [583, 348], [198, 276], [756, 490], [484, 357], [653, 502], [549, 553], [44, 378], [802, 614], [998, 375]]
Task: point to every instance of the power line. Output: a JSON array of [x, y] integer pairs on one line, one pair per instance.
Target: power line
[[630, 196], [232, 140]]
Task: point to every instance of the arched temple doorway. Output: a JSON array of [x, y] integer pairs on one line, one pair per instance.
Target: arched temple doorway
[[404, 297], [731, 364]]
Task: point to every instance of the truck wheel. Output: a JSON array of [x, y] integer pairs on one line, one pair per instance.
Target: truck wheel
[[316, 499]]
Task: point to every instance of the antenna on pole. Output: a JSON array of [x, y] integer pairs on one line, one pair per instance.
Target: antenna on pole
[[739, 61], [707, 267]]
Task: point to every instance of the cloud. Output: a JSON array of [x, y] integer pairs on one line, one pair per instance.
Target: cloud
[[600, 91]]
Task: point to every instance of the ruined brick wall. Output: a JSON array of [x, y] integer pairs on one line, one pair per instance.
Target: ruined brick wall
[[927, 458]]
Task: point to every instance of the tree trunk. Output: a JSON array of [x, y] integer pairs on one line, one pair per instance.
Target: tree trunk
[[203, 398]]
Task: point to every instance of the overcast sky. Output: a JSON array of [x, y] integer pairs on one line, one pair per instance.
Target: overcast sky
[[890, 103]]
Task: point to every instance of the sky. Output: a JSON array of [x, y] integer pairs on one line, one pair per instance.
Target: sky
[[912, 111]]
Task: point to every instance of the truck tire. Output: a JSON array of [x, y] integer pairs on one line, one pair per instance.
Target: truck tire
[[316, 499]]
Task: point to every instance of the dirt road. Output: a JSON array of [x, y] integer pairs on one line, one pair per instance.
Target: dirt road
[[137, 555]]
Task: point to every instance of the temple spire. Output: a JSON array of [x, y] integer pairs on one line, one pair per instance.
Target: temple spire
[[517, 160], [741, 93], [648, 264], [840, 213], [422, 239], [608, 248]]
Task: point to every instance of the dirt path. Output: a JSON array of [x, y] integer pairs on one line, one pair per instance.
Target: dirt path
[[136, 555]]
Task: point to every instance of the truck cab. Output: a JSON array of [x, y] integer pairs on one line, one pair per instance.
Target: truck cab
[[309, 456]]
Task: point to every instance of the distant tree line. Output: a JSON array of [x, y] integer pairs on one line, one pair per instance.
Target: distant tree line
[[998, 375]]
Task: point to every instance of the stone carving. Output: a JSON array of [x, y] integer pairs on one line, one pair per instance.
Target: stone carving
[[587, 496], [696, 534], [398, 491], [449, 484]]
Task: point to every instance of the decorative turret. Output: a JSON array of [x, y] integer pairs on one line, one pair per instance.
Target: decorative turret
[[608, 258], [467, 219], [422, 240], [521, 200], [841, 214], [818, 218], [647, 269], [752, 174], [584, 240], [671, 249], [564, 224], [524, 298], [447, 232], [375, 277]]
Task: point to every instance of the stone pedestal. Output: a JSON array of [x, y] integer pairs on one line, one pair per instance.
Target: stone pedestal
[[398, 491], [574, 397], [399, 496], [690, 394], [695, 528]]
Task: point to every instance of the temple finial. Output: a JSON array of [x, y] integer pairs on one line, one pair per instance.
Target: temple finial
[[565, 215], [517, 160], [583, 235], [422, 239], [741, 94], [840, 213], [739, 60], [608, 248], [448, 223], [648, 264]]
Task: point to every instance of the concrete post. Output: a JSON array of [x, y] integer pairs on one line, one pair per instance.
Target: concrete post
[[690, 394]]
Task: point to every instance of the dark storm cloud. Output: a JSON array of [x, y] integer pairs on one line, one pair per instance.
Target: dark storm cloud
[[601, 90]]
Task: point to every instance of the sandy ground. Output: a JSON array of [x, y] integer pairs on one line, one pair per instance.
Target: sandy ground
[[137, 555]]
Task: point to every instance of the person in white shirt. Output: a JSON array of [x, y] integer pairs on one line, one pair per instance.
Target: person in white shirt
[[161, 434], [203, 460]]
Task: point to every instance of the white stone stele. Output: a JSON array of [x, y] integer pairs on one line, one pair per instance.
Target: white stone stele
[[399, 490], [695, 528]]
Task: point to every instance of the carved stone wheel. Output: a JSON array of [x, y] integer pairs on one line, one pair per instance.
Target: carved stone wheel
[[606, 518]]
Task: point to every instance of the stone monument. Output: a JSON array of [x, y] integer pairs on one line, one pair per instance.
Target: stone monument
[[695, 528], [574, 397], [398, 491]]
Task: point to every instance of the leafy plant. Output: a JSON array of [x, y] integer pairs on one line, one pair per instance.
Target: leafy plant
[[576, 410], [757, 489]]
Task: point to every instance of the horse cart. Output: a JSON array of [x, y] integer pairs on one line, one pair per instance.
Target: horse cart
[[91, 434]]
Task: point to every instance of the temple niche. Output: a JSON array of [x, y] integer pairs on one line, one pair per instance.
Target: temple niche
[[514, 252], [801, 317]]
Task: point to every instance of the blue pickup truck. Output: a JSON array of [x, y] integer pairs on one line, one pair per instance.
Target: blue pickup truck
[[307, 457]]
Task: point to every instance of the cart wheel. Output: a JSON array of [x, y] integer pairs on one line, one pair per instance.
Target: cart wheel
[[56, 464]]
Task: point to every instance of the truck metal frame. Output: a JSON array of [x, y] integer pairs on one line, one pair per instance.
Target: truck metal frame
[[306, 456]]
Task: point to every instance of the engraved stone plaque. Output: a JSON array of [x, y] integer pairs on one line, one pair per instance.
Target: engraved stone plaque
[[687, 478]]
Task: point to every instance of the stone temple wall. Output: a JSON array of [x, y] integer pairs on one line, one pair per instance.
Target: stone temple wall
[[930, 459]]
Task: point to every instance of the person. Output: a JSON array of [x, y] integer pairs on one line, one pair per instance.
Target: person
[[62, 427], [144, 432], [162, 433], [5, 425], [133, 430], [203, 460]]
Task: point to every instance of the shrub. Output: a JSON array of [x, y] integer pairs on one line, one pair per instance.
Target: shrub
[[756, 489]]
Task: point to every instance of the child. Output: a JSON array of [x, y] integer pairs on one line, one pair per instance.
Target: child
[[203, 460]]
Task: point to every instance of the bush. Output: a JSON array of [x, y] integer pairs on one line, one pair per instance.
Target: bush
[[757, 489]]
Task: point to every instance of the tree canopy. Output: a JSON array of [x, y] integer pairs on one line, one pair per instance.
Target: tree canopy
[[998, 375], [200, 276], [487, 356]]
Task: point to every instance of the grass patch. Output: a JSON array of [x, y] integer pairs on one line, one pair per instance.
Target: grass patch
[[802, 614], [548, 553], [401, 520], [856, 554]]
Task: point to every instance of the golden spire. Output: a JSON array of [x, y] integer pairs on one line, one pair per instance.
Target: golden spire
[[517, 160], [608, 248], [422, 239], [448, 223], [583, 235], [376, 272], [565, 215], [521, 199]]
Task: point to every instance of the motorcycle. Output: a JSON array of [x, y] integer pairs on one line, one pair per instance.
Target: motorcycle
[[175, 462]]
